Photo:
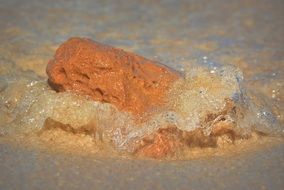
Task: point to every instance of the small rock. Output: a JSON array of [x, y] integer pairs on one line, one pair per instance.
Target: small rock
[[107, 74]]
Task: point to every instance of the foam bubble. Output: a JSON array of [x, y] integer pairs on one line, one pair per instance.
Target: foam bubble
[[202, 100]]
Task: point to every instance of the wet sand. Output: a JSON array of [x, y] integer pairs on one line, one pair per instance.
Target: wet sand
[[247, 34]]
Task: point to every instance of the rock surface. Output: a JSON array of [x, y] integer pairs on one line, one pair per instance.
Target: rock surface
[[108, 74]]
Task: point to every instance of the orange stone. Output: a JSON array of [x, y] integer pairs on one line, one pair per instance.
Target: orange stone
[[165, 142], [130, 82]]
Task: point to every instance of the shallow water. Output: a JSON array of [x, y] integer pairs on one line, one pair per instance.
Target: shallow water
[[246, 33], [184, 40]]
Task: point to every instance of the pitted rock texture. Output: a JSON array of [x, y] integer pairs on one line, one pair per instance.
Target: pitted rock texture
[[107, 74]]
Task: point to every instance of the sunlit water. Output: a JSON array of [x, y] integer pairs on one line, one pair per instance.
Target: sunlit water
[[225, 51]]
